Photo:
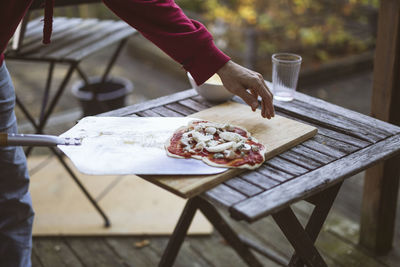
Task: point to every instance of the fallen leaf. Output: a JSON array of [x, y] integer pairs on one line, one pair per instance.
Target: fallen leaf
[[143, 243]]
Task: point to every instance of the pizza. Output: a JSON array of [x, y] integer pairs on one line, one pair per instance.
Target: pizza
[[218, 145]]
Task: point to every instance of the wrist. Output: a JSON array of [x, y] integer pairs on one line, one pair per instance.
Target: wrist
[[225, 68]]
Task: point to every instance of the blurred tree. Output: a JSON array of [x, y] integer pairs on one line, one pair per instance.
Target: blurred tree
[[320, 29]]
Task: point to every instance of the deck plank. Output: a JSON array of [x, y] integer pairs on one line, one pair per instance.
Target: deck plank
[[224, 255], [187, 257], [94, 251], [133, 255], [35, 260], [54, 251]]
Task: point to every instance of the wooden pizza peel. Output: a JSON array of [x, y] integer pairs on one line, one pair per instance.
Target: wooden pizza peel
[[278, 135]]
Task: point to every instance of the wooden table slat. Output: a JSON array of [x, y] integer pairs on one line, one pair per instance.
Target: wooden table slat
[[75, 36], [323, 148], [381, 132], [58, 38], [335, 134], [286, 166], [203, 101], [165, 112], [224, 195], [148, 113], [331, 133], [105, 28], [312, 154], [315, 181], [332, 121], [180, 109], [329, 146], [367, 120], [190, 103], [34, 29], [274, 173], [32, 39], [243, 186], [259, 179], [34, 23], [300, 160], [95, 46], [126, 111]]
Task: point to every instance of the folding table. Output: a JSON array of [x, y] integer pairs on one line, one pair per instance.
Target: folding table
[[73, 39], [347, 143]]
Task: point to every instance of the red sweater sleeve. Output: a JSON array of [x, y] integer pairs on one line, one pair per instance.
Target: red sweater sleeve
[[11, 13], [163, 23]]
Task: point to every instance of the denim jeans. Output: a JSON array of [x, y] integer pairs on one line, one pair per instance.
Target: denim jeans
[[16, 213]]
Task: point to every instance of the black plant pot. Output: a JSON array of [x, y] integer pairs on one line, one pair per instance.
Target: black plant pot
[[97, 97]]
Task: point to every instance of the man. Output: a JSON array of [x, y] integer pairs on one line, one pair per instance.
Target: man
[[162, 22]]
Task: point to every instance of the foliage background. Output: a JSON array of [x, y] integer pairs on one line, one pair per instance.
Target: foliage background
[[320, 30], [250, 31]]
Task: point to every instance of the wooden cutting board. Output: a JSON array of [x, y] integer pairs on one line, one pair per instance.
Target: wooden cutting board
[[278, 135]]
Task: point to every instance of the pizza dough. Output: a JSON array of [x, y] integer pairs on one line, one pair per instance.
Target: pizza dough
[[219, 145]]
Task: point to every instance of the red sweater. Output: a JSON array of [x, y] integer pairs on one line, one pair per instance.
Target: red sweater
[[161, 21]]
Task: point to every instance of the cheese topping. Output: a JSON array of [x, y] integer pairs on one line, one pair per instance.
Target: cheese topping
[[220, 147], [230, 136], [229, 145]]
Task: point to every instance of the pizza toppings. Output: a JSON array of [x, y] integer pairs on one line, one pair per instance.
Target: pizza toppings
[[221, 145]]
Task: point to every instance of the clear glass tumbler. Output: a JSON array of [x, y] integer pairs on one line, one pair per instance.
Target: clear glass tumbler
[[285, 74]]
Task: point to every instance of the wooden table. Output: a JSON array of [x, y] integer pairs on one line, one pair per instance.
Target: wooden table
[[347, 143]]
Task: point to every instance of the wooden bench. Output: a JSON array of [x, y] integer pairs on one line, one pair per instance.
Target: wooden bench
[[347, 143]]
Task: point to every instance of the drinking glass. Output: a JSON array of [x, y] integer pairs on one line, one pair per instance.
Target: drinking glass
[[285, 74]]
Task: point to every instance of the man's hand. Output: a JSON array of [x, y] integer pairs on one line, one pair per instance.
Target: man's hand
[[248, 85]]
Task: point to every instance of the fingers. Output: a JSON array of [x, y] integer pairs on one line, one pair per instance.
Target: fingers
[[268, 103], [250, 99], [248, 85], [267, 109]]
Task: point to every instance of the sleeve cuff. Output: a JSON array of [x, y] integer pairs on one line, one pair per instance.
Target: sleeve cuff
[[206, 63]]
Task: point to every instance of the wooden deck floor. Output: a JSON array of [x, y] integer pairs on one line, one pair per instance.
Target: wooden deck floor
[[337, 242]]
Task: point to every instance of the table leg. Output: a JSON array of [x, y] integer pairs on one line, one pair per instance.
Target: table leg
[[211, 213], [113, 59], [177, 237], [107, 222], [323, 203], [298, 238], [227, 232]]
